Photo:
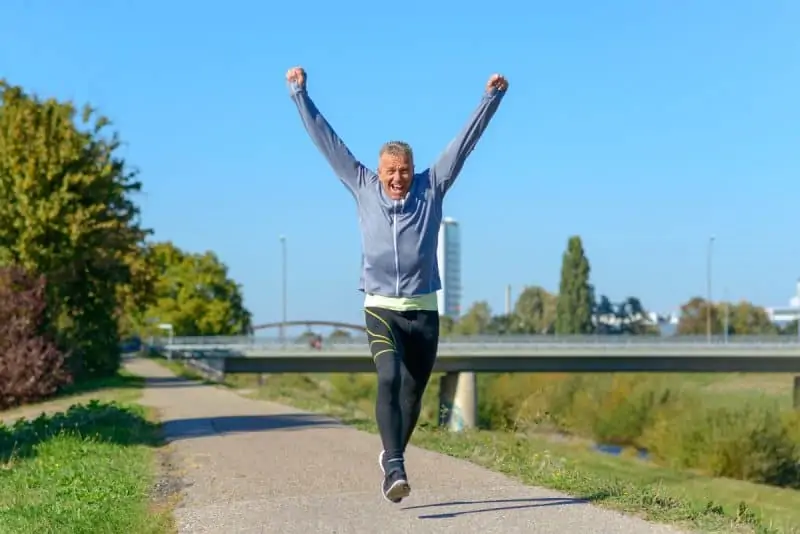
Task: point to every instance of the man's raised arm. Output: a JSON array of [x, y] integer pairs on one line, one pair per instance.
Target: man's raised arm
[[344, 164], [447, 168]]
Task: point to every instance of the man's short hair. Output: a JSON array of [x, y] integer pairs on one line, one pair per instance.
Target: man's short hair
[[397, 148]]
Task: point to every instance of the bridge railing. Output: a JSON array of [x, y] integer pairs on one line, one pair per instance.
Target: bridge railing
[[489, 341]]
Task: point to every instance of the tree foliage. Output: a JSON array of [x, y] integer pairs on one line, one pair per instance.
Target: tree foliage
[[575, 296], [66, 212], [628, 317], [31, 366], [339, 335], [194, 294], [742, 318], [535, 311], [476, 320]]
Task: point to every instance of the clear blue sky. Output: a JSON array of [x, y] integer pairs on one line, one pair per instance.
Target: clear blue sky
[[643, 126]]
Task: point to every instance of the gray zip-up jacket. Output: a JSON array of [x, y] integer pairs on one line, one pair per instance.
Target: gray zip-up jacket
[[399, 237]]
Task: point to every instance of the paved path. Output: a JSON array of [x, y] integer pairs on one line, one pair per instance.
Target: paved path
[[257, 467]]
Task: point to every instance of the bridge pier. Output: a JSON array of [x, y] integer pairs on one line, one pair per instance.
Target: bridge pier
[[458, 401]]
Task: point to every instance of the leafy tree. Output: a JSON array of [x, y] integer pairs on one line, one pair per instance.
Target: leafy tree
[[194, 294], [575, 297], [694, 315], [534, 311], [606, 316], [339, 335], [631, 318], [66, 212], [747, 319], [500, 324], [789, 328], [744, 318], [476, 320], [136, 296], [446, 325], [31, 366]]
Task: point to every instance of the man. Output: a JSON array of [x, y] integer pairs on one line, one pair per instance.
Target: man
[[399, 211]]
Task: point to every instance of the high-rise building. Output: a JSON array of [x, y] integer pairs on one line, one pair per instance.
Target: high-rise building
[[448, 256]]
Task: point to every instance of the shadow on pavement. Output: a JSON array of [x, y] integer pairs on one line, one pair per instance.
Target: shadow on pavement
[[180, 429], [511, 504]]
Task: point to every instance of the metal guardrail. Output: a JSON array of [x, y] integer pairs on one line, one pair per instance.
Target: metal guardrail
[[499, 340], [216, 357], [539, 358]]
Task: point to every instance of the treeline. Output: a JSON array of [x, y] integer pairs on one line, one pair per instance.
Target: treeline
[[76, 271], [577, 309]]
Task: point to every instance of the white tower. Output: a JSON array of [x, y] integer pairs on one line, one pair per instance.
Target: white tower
[[448, 256]]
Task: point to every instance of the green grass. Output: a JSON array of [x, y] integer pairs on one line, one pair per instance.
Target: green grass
[[89, 468], [658, 493]]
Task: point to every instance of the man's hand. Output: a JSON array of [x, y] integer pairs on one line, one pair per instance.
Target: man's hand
[[497, 81], [296, 75]]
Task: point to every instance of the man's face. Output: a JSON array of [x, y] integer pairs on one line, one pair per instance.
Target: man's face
[[395, 172]]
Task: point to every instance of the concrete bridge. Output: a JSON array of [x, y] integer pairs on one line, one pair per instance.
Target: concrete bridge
[[459, 360]]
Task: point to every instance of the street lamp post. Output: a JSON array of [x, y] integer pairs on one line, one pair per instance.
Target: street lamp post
[[726, 326], [283, 284], [168, 328], [708, 287]]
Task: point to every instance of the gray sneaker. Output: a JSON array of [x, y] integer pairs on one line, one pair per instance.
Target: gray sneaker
[[395, 485]]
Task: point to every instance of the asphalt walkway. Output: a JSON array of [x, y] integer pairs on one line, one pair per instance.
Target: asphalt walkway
[[257, 467]]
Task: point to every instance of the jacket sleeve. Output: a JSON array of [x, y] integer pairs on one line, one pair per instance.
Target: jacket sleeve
[[349, 170], [447, 168]]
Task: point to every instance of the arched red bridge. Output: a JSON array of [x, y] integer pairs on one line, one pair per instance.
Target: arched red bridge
[[334, 324]]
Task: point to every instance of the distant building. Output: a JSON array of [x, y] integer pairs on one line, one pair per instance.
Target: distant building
[[448, 257], [785, 314]]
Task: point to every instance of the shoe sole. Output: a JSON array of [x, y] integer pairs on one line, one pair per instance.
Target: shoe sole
[[398, 491]]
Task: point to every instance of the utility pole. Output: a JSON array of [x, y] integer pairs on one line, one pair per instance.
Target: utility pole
[[708, 287], [283, 288]]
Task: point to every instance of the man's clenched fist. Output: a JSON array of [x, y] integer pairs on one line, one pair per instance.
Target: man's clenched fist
[[497, 81], [296, 75]]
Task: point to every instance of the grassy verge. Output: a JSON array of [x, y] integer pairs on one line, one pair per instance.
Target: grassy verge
[[626, 483], [81, 464]]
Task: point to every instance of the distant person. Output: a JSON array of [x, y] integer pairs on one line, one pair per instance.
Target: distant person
[[399, 211]]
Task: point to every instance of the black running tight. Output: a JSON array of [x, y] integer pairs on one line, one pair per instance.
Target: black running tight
[[404, 346]]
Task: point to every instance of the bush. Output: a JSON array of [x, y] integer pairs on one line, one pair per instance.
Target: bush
[[31, 367], [751, 442], [677, 424]]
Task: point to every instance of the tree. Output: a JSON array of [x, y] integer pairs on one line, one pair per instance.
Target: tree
[[748, 319], [446, 325], [606, 316], [575, 296], [339, 335], [476, 320], [632, 318], [194, 294], [500, 324], [694, 317], [534, 311], [31, 366], [66, 212]]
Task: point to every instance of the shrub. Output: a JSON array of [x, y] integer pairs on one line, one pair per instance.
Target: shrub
[[676, 423], [751, 441], [31, 367]]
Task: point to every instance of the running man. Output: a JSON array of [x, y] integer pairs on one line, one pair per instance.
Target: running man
[[400, 211]]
